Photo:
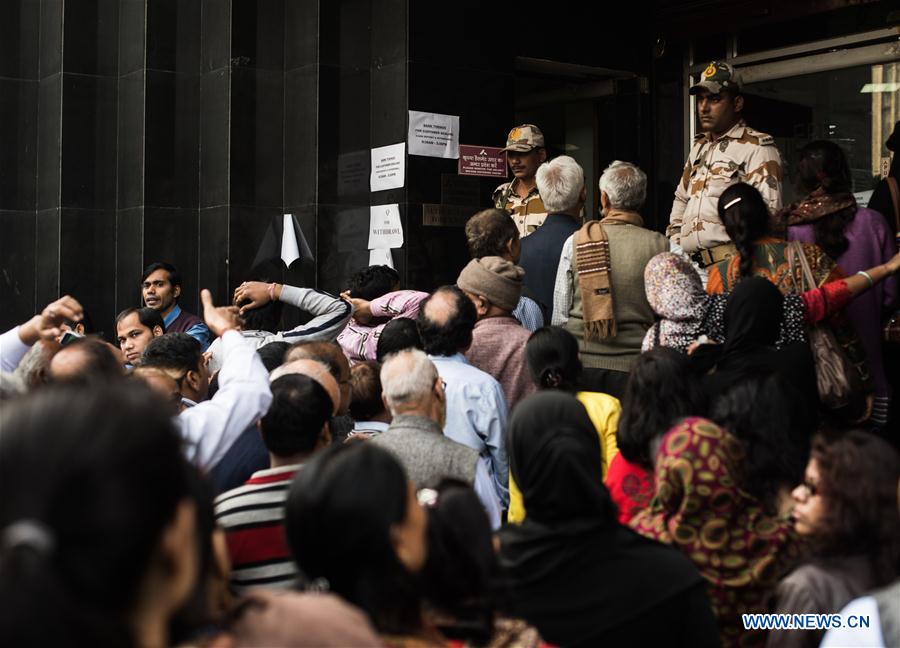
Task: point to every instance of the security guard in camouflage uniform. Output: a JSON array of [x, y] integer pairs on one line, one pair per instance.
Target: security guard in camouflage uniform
[[728, 151], [525, 152]]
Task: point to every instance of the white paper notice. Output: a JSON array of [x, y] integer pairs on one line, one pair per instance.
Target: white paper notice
[[385, 229], [381, 256], [290, 250], [388, 167], [433, 134]]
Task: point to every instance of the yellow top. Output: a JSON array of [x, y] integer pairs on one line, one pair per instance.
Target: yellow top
[[603, 411]]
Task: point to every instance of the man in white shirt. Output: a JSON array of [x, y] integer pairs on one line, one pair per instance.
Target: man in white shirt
[[209, 427]]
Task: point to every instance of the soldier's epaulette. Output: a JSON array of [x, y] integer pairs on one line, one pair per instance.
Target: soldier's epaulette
[[764, 138]]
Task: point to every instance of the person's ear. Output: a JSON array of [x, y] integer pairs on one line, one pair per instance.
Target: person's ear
[[583, 195], [542, 155], [178, 553], [79, 328], [157, 331], [177, 292], [482, 306], [738, 103], [192, 378], [399, 543], [325, 435]]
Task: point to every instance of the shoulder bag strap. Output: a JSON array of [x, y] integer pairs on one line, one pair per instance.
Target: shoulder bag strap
[[808, 281]]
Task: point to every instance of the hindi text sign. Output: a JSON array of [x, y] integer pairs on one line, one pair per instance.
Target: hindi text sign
[[484, 161]]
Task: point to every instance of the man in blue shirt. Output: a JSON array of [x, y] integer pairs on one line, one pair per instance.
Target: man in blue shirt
[[161, 288], [476, 406]]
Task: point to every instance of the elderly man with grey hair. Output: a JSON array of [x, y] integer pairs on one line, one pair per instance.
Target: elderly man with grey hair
[[599, 293], [561, 185], [414, 393]]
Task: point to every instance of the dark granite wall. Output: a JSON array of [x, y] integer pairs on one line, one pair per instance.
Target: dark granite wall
[[181, 130]]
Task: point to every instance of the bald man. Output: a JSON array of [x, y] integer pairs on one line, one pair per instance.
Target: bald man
[[332, 356], [476, 406], [86, 362]]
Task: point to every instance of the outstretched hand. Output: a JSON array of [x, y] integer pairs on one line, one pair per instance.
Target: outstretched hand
[[48, 324], [219, 318]]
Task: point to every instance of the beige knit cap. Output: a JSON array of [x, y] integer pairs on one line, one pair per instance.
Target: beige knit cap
[[497, 279]]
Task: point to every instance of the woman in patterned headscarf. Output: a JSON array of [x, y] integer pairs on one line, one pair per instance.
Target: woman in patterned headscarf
[[701, 508]]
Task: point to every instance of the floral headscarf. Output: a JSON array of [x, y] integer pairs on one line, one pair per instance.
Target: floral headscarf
[[700, 508], [675, 293]]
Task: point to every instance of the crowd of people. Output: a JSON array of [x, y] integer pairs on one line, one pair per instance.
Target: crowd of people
[[600, 434]]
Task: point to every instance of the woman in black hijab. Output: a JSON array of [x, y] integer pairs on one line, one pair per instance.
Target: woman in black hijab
[[752, 319], [574, 572]]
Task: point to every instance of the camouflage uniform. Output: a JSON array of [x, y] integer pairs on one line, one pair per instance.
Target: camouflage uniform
[[740, 155], [528, 212]]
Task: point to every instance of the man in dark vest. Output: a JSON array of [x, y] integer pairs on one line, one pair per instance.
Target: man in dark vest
[[561, 183], [414, 393], [161, 288]]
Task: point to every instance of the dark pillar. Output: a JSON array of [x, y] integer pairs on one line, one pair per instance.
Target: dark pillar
[[19, 90]]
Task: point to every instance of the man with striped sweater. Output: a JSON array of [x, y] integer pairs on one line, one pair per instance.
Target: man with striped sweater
[[252, 515]]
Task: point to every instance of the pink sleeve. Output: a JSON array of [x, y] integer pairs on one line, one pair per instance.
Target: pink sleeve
[[820, 303], [402, 303]]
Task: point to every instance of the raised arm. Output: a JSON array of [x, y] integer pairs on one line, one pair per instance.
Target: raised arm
[[14, 344], [211, 427], [821, 302], [331, 313]]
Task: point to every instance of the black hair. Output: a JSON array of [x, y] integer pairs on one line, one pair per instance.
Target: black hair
[[745, 220], [455, 334], [399, 334], [195, 616], [489, 232], [174, 275], [85, 321], [365, 391], [98, 363], [858, 483], [338, 519], [757, 410], [146, 316], [262, 318], [272, 354], [173, 351], [300, 408], [462, 568], [111, 476], [552, 356], [373, 282], [661, 390], [824, 164]]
